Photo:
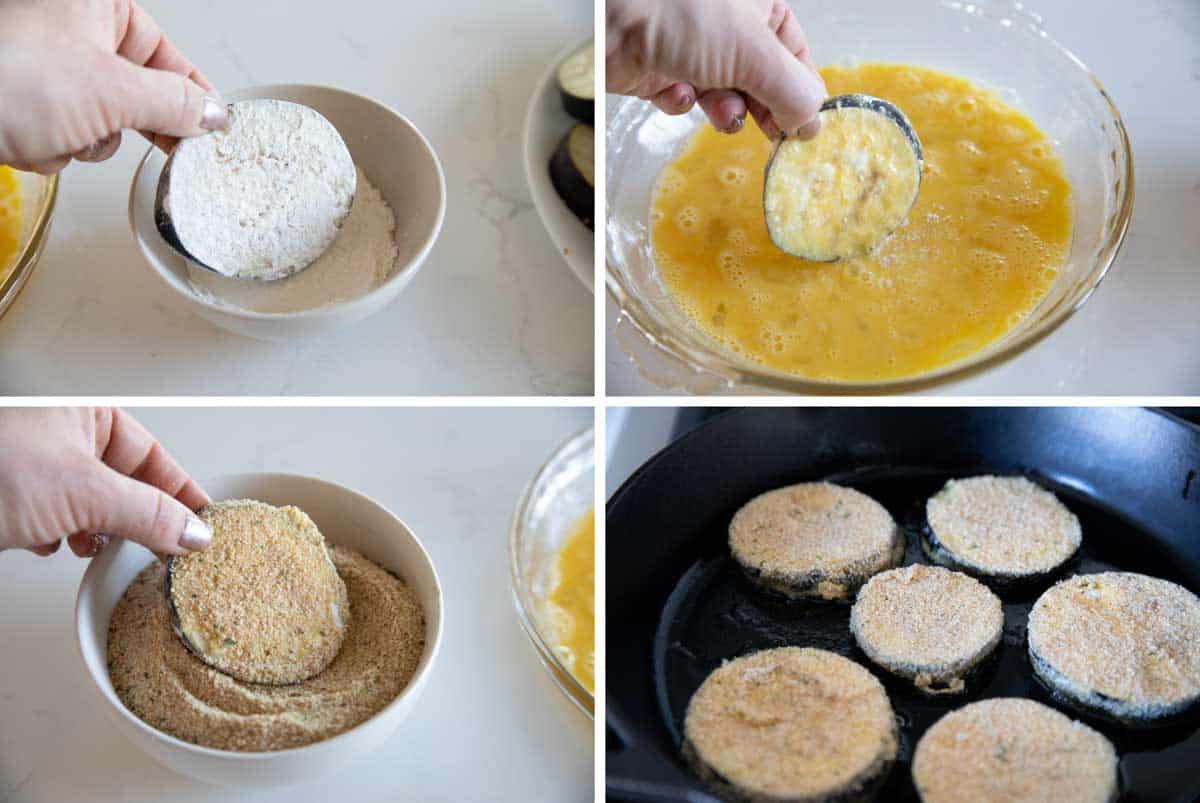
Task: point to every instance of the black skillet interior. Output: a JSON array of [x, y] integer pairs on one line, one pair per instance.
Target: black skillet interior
[[677, 606]]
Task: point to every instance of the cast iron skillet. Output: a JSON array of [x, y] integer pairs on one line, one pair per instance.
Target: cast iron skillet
[[676, 607]]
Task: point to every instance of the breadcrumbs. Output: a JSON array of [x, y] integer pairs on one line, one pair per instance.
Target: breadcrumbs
[[1121, 642], [815, 539], [170, 689], [1013, 750], [1002, 526], [927, 623], [792, 723]]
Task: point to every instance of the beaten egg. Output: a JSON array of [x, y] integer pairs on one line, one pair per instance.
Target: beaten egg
[[10, 220], [983, 243], [573, 602]]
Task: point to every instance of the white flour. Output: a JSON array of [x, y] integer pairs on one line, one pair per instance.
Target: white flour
[[265, 197], [360, 259]]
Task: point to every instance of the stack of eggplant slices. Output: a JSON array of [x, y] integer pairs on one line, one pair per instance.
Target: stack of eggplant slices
[[800, 723], [573, 165]]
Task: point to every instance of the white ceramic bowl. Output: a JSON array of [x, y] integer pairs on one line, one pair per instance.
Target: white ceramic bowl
[[396, 158], [545, 125], [345, 517]]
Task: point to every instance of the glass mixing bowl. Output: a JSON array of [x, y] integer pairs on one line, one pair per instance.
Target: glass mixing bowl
[[557, 497], [37, 208], [998, 44]]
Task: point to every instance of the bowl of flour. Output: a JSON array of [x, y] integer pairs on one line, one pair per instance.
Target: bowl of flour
[[396, 215]]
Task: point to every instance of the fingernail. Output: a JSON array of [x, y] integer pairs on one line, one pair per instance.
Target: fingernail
[[93, 152], [52, 548], [196, 535], [216, 115], [99, 541], [736, 125], [809, 129]]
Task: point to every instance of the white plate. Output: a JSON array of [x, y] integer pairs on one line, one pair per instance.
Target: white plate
[[545, 125]]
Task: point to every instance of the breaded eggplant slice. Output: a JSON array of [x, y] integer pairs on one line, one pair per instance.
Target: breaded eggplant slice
[[1003, 528], [1118, 644], [815, 539], [791, 724], [928, 624], [1015, 750], [264, 603]]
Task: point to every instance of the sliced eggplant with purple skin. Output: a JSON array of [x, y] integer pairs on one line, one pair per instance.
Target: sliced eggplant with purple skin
[[573, 172], [577, 84], [797, 179]]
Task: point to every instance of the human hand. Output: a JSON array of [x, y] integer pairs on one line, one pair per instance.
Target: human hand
[[74, 73], [730, 56], [74, 472]]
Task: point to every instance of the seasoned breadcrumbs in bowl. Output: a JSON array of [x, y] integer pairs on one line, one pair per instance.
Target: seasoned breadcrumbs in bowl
[[167, 687]]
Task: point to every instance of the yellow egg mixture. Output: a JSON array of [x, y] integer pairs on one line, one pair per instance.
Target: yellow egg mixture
[[10, 220], [839, 194], [981, 246], [573, 602]]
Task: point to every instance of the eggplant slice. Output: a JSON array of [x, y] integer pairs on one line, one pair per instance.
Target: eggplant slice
[[840, 194], [573, 172], [577, 84]]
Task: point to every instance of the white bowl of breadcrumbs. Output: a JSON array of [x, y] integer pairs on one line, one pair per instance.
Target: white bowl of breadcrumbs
[[203, 724]]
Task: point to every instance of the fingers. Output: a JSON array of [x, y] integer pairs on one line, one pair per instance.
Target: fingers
[[163, 142], [809, 129], [787, 28], [100, 150], [779, 72], [87, 545], [144, 43], [46, 550], [762, 116], [139, 512], [133, 451], [675, 99], [82, 544], [791, 36], [47, 167], [163, 102], [791, 89], [726, 109]]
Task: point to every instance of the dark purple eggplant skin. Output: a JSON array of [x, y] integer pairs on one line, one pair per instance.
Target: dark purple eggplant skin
[[582, 110], [576, 193], [853, 101]]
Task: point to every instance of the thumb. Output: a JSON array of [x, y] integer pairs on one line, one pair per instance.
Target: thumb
[[164, 102], [142, 513], [790, 89]]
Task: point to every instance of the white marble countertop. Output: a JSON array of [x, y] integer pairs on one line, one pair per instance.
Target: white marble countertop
[[490, 726], [1140, 333], [494, 310]]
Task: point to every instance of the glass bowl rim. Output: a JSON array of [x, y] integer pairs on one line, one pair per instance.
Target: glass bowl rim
[[29, 255]]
